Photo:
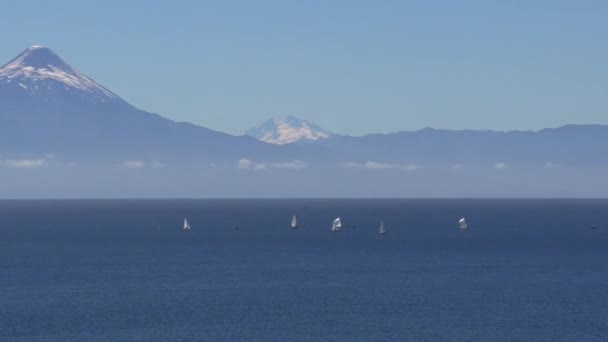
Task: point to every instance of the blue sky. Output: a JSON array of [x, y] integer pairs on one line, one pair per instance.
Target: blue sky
[[351, 66]]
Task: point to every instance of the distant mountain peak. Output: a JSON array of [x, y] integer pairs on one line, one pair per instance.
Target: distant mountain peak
[[287, 130], [49, 107], [38, 56], [40, 71]]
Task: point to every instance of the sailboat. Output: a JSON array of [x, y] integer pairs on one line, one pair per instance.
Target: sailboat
[[186, 225], [462, 223], [294, 222], [336, 225], [382, 230]]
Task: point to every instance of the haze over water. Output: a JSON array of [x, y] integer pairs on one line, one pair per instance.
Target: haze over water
[[124, 270]]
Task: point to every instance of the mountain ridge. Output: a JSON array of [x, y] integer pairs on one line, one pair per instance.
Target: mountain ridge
[[59, 130], [48, 106]]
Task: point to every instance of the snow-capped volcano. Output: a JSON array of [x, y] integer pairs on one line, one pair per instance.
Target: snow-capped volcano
[[287, 130], [39, 71], [49, 107]]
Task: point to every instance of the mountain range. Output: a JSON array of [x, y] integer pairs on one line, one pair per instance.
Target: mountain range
[[570, 145], [50, 107], [51, 114]]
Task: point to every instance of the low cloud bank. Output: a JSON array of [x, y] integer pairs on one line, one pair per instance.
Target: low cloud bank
[[247, 164], [500, 165], [137, 164], [372, 165], [24, 163]]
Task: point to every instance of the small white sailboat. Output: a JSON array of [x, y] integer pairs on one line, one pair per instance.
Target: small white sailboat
[[186, 225], [294, 222], [336, 225], [382, 230], [463, 223]]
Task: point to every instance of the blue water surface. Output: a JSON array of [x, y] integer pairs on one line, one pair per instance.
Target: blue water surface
[[124, 270]]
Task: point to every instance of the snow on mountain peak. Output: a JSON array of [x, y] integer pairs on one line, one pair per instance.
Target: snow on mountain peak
[[287, 130], [39, 70], [39, 57]]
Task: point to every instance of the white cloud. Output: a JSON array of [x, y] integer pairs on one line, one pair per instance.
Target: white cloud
[[296, 164], [138, 164], [412, 167], [47, 160], [372, 165], [456, 166], [23, 163], [378, 166], [246, 164], [132, 164], [156, 163], [260, 166], [549, 164], [500, 165]]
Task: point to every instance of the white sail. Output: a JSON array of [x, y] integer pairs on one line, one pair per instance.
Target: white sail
[[294, 222], [382, 230], [462, 223], [336, 225], [186, 225]]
